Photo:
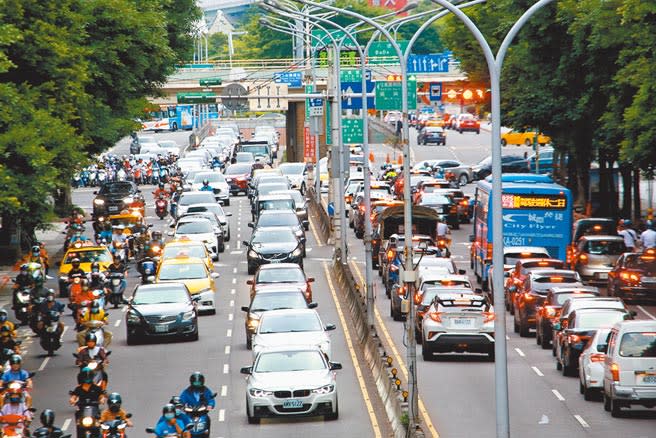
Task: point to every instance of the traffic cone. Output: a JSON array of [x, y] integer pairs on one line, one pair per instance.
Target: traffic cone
[[371, 157], [399, 160]]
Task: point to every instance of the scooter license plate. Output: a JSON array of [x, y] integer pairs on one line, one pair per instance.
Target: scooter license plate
[[292, 404], [113, 208]]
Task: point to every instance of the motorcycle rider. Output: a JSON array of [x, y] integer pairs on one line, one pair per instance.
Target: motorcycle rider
[[96, 278], [168, 424], [86, 392], [206, 186], [39, 290], [50, 305], [4, 322], [155, 245], [7, 341], [114, 410], [179, 412], [161, 191], [15, 404], [105, 234], [117, 266], [44, 256], [16, 373], [197, 394], [75, 271], [95, 313], [119, 240], [48, 429]]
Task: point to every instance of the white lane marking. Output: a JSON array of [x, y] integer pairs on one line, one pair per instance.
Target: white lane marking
[[226, 350], [234, 270], [67, 423], [238, 236], [646, 313], [236, 252], [229, 333], [581, 421], [227, 246], [537, 371], [234, 281], [44, 363], [224, 390], [226, 368], [308, 250], [544, 419], [558, 395], [232, 303], [117, 323], [520, 352], [238, 245], [222, 415], [232, 291], [230, 316]]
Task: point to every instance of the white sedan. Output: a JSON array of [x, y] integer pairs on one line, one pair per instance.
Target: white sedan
[[591, 366], [291, 381]]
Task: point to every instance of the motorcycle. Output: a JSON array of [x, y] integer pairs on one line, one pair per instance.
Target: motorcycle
[[116, 288], [147, 269], [121, 175], [199, 420], [14, 425], [87, 420], [114, 428], [120, 249], [170, 435], [35, 317], [100, 377], [50, 338], [97, 328], [22, 304], [161, 207], [5, 355]]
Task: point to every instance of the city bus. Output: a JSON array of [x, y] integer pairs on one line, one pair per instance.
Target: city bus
[[535, 212], [183, 116]]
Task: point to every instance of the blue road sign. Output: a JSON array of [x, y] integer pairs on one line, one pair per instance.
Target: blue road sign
[[293, 79], [435, 91], [356, 87], [434, 63]]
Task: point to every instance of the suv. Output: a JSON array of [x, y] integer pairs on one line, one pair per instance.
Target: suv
[[594, 256], [114, 197], [630, 366], [533, 293]]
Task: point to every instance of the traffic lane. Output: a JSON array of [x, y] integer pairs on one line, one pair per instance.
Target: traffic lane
[[353, 420], [468, 380], [122, 147]]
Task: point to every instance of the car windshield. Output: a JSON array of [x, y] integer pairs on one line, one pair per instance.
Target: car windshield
[[638, 261], [292, 168], [561, 298], [278, 300], [599, 318], [187, 271], [290, 323], [280, 362], [146, 139], [168, 144], [93, 255], [280, 275], [198, 227], [256, 149], [214, 208], [160, 295], [512, 257], [277, 204], [204, 214], [434, 199], [279, 236], [638, 344], [277, 220], [485, 161], [196, 251], [295, 194], [380, 193], [266, 189], [211, 177], [196, 198], [238, 169], [116, 188], [605, 247]]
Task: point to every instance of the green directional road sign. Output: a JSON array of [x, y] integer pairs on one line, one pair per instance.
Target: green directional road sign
[[352, 131], [322, 38], [196, 97], [208, 82], [382, 52], [388, 95], [348, 58], [350, 75]]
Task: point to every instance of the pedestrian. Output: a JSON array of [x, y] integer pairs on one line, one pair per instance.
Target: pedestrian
[[648, 237], [630, 236]]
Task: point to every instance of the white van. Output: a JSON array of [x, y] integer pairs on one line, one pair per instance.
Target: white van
[[630, 366]]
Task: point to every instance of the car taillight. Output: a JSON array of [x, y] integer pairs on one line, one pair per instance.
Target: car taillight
[[436, 316], [631, 277], [418, 298], [489, 249], [550, 312], [488, 316], [615, 372], [401, 291], [583, 259], [390, 254], [362, 208], [574, 339], [464, 203], [597, 357]]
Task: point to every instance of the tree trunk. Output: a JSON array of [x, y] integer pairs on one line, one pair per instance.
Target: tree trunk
[[637, 209], [63, 201], [625, 171]]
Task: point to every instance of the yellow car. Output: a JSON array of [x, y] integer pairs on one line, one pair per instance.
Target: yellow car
[[88, 252], [185, 246], [193, 272], [523, 138]]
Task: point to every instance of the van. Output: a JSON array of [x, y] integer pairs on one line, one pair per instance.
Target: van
[[630, 366]]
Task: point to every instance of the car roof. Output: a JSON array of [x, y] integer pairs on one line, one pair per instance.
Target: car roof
[[182, 260], [509, 249], [441, 276], [274, 197], [277, 288], [180, 241], [283, 312], [290, 348], [636, 325], [280, 266], [155, 286], [582, 289], [276, 212]]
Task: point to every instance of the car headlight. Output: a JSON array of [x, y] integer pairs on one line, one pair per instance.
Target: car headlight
[[253, 322], [253, 254], [133, 318], [128, 199], [187, 316], [324, 389], [296, 252], [206, 290], [99, 201], [259, 393]]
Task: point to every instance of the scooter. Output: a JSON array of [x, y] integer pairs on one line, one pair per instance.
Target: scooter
[[22, 304], [116, 289], [13, 425], [147, 269], [50, 338], [161, 207], [114, 428], [87, 420], [97, 328], [100, 377], [199, 419]]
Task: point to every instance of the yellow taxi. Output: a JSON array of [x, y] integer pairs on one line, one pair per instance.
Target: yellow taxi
[[185, 246], [126, 220], [193, 272], [523, 138], [88, 252]]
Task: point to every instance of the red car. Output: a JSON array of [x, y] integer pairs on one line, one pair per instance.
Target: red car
[[289, 274], [237, 176], [468, 122]]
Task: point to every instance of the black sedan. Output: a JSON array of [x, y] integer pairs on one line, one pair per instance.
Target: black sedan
[[432, 134], [273, 245], [509, 164], [161, 310], [114, 197]]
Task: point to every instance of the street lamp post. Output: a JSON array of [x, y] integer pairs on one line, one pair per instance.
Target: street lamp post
[[494, 65]]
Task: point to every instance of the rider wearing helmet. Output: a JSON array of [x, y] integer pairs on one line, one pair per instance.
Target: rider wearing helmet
[[39, 290], [15, 404], [86, 392], [179, 410], [161, 191], [4, 322], [7, 341], [629, 235], [15, 373], [75, 271], [96, 278], [168, 424], [23, 279], [48, 306], [114, 410], [197, 394], [206, 186], [48, 428], [95, 313]]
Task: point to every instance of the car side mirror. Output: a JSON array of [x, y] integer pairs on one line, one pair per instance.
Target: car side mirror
[[150, 430], [335, 366], [170, 233], [313, 305], [302, 239], [506, 274], [330, 327], [245, 243], [461, 272], [249, 282], [215, 275], [195, 298], [603, 348], [306, 224], [251, 225], [246, 370], [244, 308], [128, 415], [95, 192], [310, 280], [471, 238], [556, 326], [228, 213]]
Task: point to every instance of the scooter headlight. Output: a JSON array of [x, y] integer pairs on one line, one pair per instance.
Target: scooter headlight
[[87, 421]]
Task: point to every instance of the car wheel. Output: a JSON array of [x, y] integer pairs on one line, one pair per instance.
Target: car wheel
[[515, 324], [559, 366], [524, 331], [227, 238], [226, 202], [359, 234], [418, 336], [544, 342], [222, 248], [132, 339], [503, 142], [426, 353], [303, 189], [335, 415], [615, 408], [588, 394], [253, 419], [251, 270], [463, 180], [478, 131], [249, 342], [490, 355], [606, 403], [538, 336], [194, 336]]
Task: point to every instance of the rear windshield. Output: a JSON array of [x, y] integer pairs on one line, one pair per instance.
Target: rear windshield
[[556, 279], [237, 169], [277, 204], [561, 298], [638, 261], [599, 318], [554, 264], [605, 247], [638, 345]]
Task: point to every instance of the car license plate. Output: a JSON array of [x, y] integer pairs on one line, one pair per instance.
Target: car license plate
[[275, 261], [113, 208], [292, 404], [463, 322], [646, 379], [649, 279], [602, 275], [161, 328]]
